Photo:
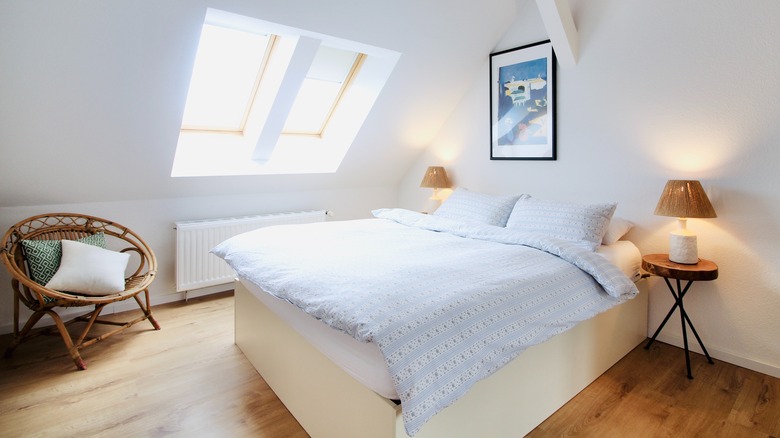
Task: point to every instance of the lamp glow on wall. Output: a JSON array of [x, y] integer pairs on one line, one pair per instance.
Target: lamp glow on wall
[[684, 199]]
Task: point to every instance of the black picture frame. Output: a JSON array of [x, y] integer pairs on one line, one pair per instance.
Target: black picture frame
[[522, 103]]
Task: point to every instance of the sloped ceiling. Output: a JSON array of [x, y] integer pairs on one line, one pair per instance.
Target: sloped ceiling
[[92, 92]]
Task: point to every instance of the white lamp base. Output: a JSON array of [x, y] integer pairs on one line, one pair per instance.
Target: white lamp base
[[431, 205], [682, 248]]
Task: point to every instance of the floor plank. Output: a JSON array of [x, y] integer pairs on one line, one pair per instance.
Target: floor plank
[[647, 394], [189, 379]]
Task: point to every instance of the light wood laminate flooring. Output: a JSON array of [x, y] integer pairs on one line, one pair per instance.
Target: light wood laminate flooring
[[190, 380]]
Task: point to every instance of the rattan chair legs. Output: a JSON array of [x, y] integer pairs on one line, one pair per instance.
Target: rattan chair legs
[[83, 340]]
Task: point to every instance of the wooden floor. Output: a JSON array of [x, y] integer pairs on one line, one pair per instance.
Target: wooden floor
[[189, 379]]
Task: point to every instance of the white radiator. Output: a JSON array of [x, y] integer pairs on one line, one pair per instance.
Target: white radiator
[[197, 268]]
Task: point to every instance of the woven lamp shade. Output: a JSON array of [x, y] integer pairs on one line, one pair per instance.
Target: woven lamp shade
[[684, 199], [435, 178]]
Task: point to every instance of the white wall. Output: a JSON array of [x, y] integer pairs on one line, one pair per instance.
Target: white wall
[[154, 219], [662, 90], [92, 94]]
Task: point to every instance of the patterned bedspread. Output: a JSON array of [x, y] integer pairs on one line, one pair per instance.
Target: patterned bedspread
[[447, 303]]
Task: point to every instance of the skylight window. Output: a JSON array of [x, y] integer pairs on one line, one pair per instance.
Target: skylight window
[[320, 91], [227, 69], [296, 98]]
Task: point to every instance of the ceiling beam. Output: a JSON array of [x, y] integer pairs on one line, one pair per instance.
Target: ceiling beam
[[557, 18]]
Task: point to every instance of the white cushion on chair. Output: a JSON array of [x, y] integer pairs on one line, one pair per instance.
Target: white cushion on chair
[[43, 256], [89, 270]]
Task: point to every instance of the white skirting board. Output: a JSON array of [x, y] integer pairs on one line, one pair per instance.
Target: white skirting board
[[717, 354], [327, 402]]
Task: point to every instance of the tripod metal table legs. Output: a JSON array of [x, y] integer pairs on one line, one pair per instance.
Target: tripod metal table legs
[[684, 319]]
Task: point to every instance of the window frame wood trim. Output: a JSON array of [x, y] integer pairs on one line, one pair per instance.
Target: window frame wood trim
[[348, 80]]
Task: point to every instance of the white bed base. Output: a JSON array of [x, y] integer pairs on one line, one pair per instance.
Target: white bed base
[[328, 402]]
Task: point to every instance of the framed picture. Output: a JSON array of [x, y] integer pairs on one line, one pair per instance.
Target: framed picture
[[522, 103]]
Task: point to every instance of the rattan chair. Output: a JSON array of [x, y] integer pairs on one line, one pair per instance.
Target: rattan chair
[[43, 301]]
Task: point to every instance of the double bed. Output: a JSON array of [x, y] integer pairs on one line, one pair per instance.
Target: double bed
[[435, 325]]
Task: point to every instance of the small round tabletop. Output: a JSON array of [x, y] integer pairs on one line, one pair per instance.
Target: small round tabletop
[[659, 264]]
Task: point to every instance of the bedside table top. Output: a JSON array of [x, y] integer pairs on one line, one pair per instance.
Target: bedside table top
[[659, 264]]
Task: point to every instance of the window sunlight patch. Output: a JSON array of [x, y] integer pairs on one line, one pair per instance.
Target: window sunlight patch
[[227, 68], [270, 83], [320, 91]]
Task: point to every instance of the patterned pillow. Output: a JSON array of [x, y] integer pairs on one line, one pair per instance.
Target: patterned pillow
[[463, 205], [43, 256], [585, 224]]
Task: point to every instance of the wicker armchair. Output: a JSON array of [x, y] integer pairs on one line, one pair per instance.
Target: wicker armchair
[[45, 301]]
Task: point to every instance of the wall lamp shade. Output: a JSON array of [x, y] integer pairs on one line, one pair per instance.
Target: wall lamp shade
[[435, 178], [684, 199]]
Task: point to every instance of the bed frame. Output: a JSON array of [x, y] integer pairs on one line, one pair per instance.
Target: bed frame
[[328, 402]]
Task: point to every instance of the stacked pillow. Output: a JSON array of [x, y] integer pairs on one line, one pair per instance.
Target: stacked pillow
[[464, 205], [584, 224], [80, 266], [618, 227], [588, 225], [44, 256], [89, 270]]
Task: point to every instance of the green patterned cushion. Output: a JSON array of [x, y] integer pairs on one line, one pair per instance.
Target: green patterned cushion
[[43, 256]]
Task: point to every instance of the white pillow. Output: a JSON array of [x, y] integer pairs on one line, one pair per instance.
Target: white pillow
[[585, 224], [89, 270], [618, 227], [463, 205]]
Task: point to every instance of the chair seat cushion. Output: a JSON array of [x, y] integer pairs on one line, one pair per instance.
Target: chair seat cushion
[[89, 270]]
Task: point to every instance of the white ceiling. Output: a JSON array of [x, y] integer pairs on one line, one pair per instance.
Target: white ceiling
[[92, 92]]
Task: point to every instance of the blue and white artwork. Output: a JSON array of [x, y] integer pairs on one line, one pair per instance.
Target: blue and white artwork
[[522, 103]]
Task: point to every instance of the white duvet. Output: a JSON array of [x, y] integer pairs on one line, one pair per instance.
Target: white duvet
[[447, 303]]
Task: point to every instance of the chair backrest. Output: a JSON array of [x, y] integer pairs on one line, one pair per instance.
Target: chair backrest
[[60, 226]]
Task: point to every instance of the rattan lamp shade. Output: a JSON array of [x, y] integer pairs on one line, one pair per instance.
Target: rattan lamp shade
[[435, 178], [684, 198]]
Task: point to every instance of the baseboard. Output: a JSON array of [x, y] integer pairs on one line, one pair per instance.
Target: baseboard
[[721, 354], [117, 307]]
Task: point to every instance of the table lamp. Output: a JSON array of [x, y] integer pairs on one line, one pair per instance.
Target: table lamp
[[435, 178], [683, 199]]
